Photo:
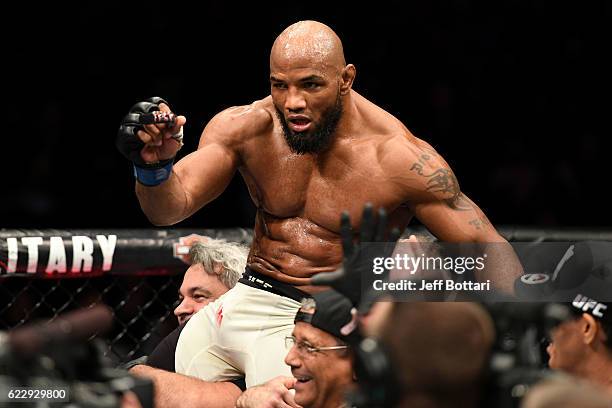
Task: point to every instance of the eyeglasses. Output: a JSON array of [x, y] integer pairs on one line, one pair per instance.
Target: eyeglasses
[[307, 349]]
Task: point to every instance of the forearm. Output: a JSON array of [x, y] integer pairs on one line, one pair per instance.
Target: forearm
[[195, 180], [502, 266], [164, 204], [471, 227], [177, 390]]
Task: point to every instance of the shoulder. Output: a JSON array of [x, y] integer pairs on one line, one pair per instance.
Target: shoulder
[[393, 141], [419, 170], [410, 163], [237, 124], [403, 149], [163, 355], [397, 147]]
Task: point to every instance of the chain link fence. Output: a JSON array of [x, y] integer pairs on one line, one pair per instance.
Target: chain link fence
[[142, 307], [137, 273], [141, 286]]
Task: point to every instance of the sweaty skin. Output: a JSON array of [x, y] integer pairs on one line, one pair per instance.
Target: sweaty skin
[[372, 157]]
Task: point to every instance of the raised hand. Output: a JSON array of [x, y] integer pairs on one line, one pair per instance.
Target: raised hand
[[150, 132], [150, 135], [358, 255]]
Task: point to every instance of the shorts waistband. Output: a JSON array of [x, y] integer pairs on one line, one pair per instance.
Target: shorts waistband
[[259, 281]]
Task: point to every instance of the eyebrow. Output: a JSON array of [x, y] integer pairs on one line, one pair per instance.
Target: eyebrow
[[190, 291], [305, 339], [312, 78], [200, 289], [306, 79]]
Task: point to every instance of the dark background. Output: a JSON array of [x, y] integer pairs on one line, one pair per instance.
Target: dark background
[[512, 93]]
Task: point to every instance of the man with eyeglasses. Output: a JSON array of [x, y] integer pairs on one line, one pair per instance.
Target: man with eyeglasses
[[320, 356]]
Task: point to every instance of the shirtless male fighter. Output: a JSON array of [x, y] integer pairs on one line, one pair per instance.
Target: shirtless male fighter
[[307, 152]]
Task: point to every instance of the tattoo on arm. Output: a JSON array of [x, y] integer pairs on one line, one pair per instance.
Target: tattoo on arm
[[479, 223], [443, 181]]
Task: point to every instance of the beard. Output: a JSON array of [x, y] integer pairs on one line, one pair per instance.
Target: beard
[[318, 139]]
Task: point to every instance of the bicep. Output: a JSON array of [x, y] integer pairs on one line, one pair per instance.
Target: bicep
[[438, 202], [205, 173]]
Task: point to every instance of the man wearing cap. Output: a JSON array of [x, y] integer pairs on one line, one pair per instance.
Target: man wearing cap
[[320, 358], [582, 346]]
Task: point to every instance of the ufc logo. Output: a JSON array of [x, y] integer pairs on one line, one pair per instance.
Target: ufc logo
[[584, 303]]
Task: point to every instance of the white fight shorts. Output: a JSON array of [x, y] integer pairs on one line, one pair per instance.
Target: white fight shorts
[[242, 333]]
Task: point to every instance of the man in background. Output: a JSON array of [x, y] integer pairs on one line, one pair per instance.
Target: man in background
[[320, 355], [582, 346], [216, 266], [437, 352]]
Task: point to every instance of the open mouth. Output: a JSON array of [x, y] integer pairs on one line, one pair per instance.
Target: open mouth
[[299, 124], [302, 380]]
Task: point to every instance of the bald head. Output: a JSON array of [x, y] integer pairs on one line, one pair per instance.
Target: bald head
[[310, 85], [308, 43], [441, 346]]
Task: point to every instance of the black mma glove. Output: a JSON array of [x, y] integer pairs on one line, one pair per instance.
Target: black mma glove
[[130, 145]]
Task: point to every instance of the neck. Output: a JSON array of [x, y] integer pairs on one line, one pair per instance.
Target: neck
[[333, 401], [349, 121], [598, 369]]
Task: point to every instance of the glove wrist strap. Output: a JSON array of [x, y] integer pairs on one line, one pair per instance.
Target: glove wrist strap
[[153, 176]]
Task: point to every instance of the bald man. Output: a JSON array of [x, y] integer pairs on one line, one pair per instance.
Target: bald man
[[439, 350], [308, 151]]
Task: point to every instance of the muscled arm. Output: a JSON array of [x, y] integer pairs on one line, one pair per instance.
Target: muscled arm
[[198, 178], [437, 201], [177, 390]]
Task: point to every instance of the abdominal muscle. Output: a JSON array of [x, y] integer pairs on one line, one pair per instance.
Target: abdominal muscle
[[292, 250]]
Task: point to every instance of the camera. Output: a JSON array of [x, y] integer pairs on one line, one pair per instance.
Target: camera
[[58, 364]]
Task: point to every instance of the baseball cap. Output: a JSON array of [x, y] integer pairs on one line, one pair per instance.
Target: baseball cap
[[333, 313], [601, 311]]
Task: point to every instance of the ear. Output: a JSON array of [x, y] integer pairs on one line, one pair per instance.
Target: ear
[[589, 328], [348, 76]]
